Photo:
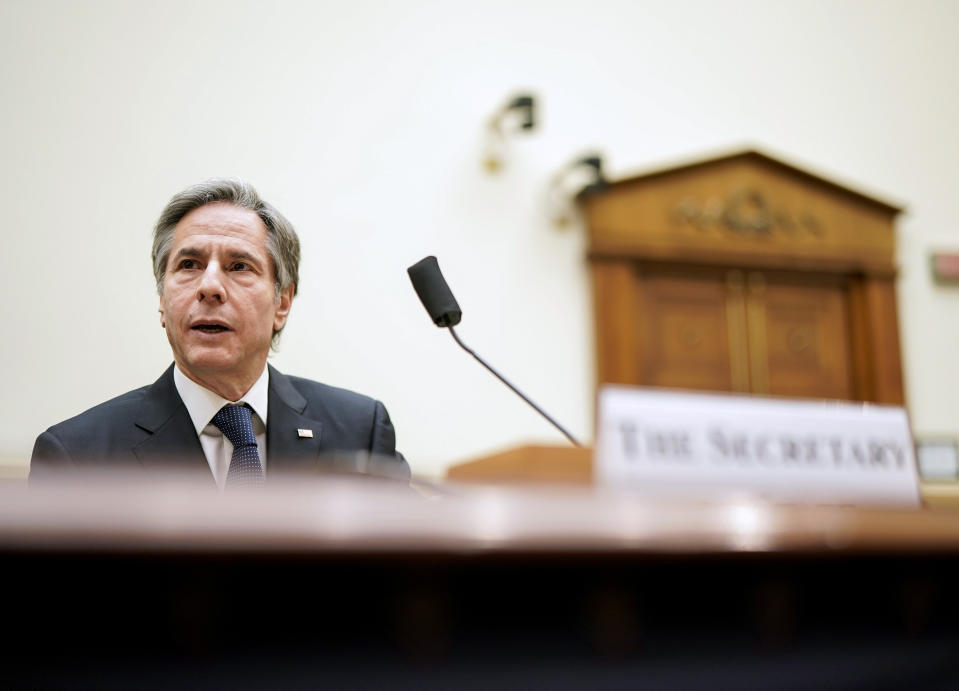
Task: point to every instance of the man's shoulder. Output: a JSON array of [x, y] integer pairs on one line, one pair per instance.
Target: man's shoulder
[[122, 408], [349, 421], [116, 418], [104, 433], [327, 401], [312, 390]]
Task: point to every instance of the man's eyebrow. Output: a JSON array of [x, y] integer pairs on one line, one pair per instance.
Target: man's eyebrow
[[243, 255], [195, 252], [187, 252]]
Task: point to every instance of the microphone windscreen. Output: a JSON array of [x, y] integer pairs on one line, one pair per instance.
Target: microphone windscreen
[[436, 296]]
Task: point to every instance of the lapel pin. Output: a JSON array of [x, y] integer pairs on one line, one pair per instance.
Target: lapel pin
[[304, 433]]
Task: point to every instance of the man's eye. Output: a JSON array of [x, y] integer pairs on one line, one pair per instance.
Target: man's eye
[[239, 266], [188, 264]]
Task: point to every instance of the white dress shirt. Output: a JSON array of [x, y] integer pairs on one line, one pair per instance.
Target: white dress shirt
[[203, 404]]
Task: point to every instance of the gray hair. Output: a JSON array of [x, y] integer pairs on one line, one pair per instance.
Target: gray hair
[[282, 244]]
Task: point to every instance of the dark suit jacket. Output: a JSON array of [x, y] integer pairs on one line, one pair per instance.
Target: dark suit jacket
[[150, 430]]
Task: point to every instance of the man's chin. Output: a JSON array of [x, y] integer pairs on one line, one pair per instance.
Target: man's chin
[[209, 360]]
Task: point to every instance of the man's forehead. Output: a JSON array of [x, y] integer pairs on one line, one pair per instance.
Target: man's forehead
[[221, 222]]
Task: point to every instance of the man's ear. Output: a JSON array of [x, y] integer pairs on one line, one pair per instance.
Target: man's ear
[[283, 304], [160, 310]]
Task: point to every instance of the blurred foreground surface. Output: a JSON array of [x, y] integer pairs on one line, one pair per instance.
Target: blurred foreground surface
[[359, 583]]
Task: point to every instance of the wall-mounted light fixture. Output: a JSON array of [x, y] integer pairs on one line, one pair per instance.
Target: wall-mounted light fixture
[[580, 176], [518, 114]]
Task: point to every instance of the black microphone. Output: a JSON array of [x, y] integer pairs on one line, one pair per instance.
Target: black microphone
[[437, 298]]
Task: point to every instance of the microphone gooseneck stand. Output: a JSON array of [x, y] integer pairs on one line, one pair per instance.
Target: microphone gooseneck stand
[[513, 388]]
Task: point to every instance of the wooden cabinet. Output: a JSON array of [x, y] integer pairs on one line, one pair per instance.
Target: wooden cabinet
[[745, 274]]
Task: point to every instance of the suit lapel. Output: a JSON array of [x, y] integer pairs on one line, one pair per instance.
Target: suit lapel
[[173, 443], [286, 448]]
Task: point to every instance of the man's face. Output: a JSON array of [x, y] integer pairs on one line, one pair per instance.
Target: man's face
[[219, 305]]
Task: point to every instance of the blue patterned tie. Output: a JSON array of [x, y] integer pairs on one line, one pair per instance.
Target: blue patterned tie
[[236, 423]]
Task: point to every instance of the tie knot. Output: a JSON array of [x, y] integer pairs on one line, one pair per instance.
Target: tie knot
[[236, 423]]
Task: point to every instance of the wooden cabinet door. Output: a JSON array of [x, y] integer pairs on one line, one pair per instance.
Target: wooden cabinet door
[[692, 337], [799, 335], [716, 329]]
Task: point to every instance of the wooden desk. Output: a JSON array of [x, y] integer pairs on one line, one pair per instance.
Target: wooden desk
[[369, 584]]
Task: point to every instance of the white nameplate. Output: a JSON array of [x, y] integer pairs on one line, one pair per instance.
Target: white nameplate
[[706, 445]]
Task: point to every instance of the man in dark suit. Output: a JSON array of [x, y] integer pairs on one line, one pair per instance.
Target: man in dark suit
[[226, 265]]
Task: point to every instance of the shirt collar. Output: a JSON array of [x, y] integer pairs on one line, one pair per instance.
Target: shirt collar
[[202, 404]]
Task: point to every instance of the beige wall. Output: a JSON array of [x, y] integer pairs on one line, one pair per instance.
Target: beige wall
[[362, 122]]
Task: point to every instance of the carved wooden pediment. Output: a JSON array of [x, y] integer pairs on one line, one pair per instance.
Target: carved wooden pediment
[[746, 209]]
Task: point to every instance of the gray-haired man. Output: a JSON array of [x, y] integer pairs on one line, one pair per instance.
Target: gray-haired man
[[226, 265]]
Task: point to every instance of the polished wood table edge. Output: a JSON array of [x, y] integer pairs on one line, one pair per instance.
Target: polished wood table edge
[[338, 517]]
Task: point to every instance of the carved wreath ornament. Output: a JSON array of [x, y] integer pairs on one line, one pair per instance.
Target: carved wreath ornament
[[745, 211]]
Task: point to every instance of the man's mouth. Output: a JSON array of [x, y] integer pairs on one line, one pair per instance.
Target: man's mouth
[[209, 328]]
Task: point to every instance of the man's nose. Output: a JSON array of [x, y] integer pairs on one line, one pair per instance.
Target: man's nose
[[211, 286]]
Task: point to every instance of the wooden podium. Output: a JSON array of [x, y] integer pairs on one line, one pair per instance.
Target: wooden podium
[[529, 463]]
